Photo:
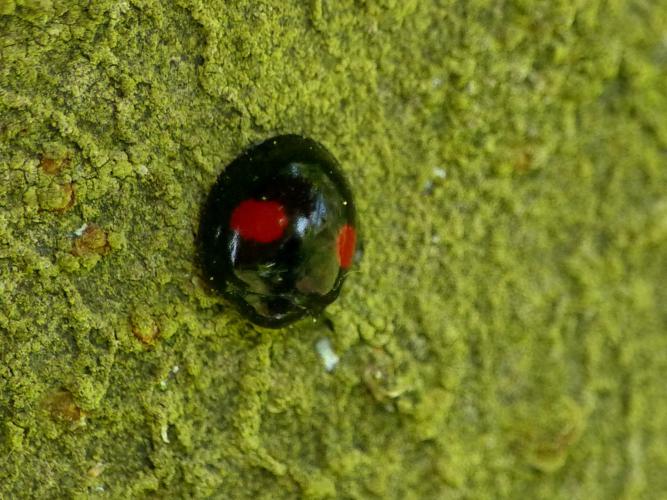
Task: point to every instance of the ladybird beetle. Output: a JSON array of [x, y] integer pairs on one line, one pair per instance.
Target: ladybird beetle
[[278, 231]]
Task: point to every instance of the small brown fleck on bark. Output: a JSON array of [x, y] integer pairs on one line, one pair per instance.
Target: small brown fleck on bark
[[53, 166], [524, 162], [93, 240], [61, 406], [144, 327]]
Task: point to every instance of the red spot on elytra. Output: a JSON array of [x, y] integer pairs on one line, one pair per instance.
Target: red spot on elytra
[[261, 221], [347, 239]]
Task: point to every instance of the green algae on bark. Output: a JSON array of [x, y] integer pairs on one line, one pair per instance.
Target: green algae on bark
[[502, 336]]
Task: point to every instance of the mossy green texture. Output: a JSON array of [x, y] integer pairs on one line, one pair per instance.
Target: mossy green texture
[[505, 333]]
